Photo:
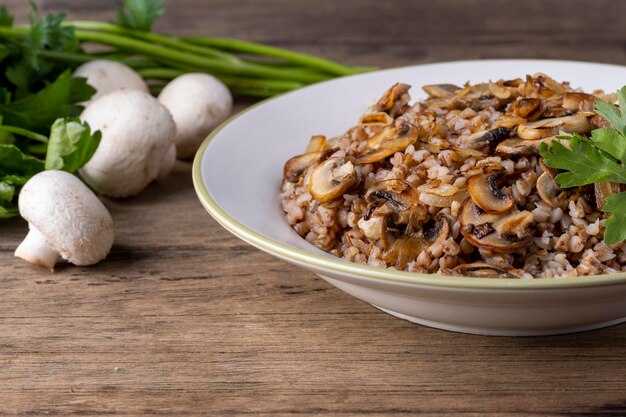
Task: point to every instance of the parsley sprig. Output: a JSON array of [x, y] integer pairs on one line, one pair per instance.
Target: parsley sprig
[[595, 159]]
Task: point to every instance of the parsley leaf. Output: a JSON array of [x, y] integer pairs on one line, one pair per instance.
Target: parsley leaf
[[615, 226], [5, 17], [71, 145], [611, 142], [583, 163], [17, 164], [8, 211], [38, 111], [612, 114], [6, 191], [48, 33], [139, 14]]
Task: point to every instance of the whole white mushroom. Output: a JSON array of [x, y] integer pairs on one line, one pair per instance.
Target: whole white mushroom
[[107, 76], [136, 146], [65, 219], [198, 103]]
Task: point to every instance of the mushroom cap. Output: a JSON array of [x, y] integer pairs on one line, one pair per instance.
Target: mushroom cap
[[137, 132], [198, 103], [108, 76], [74, 221]]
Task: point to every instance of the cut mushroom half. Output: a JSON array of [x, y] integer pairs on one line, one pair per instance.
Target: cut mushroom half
[[484, 190], [577, 123], [503, 232], [331, 179], [481, 270]]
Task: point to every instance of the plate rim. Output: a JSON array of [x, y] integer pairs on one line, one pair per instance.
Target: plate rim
[[341, 266]]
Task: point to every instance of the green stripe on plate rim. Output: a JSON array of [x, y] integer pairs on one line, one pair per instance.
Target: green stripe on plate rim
[[344, 267]]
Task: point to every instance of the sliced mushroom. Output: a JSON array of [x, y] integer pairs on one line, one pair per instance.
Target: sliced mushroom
[[604, 189], [394, 99], [503, 232], [509, 120], [486, 137], [374, 141], [487, 195], [435, 194], [316, 144], [599, 122], [577, 123], [522, 147], [528, 108], [545, 168], [372, 228], [403, 247], [376, 119], [331, 179], [499, 91], [549, 191], [441, 90], [392, 140], [579, 102], [481, 270], [296, 166], [399, 194]]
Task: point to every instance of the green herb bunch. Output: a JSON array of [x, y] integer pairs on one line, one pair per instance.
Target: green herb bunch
[[39, 102]]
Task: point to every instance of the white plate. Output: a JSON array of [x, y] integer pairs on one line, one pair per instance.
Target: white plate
[[237, 174]]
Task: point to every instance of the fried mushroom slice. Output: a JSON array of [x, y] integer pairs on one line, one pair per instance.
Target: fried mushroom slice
[[481, 270], [503, 232], [484, 190], [441, 90], [436, 194], [604, 189], [376, 119], [394, 100], [576, 102], [401, 247], [549, 191], [527, 108], [517, 146], [389, 141], [577, 123], [486, 137], [396, 193], [331, 179], [296, 166]]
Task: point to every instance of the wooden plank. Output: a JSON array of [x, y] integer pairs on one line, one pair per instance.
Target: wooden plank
[[184, 319]]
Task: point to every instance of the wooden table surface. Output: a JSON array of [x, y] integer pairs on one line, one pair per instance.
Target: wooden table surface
[[183, 319]]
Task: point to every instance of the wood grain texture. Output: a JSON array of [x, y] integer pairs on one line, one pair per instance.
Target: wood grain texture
[[183, 319]]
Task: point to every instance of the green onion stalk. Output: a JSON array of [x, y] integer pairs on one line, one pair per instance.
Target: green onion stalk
[[247, 68]]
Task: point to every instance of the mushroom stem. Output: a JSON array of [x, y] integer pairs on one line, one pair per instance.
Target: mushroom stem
[[34, 249]]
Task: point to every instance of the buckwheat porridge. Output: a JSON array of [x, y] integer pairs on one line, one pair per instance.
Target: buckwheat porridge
[[454, 184]]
